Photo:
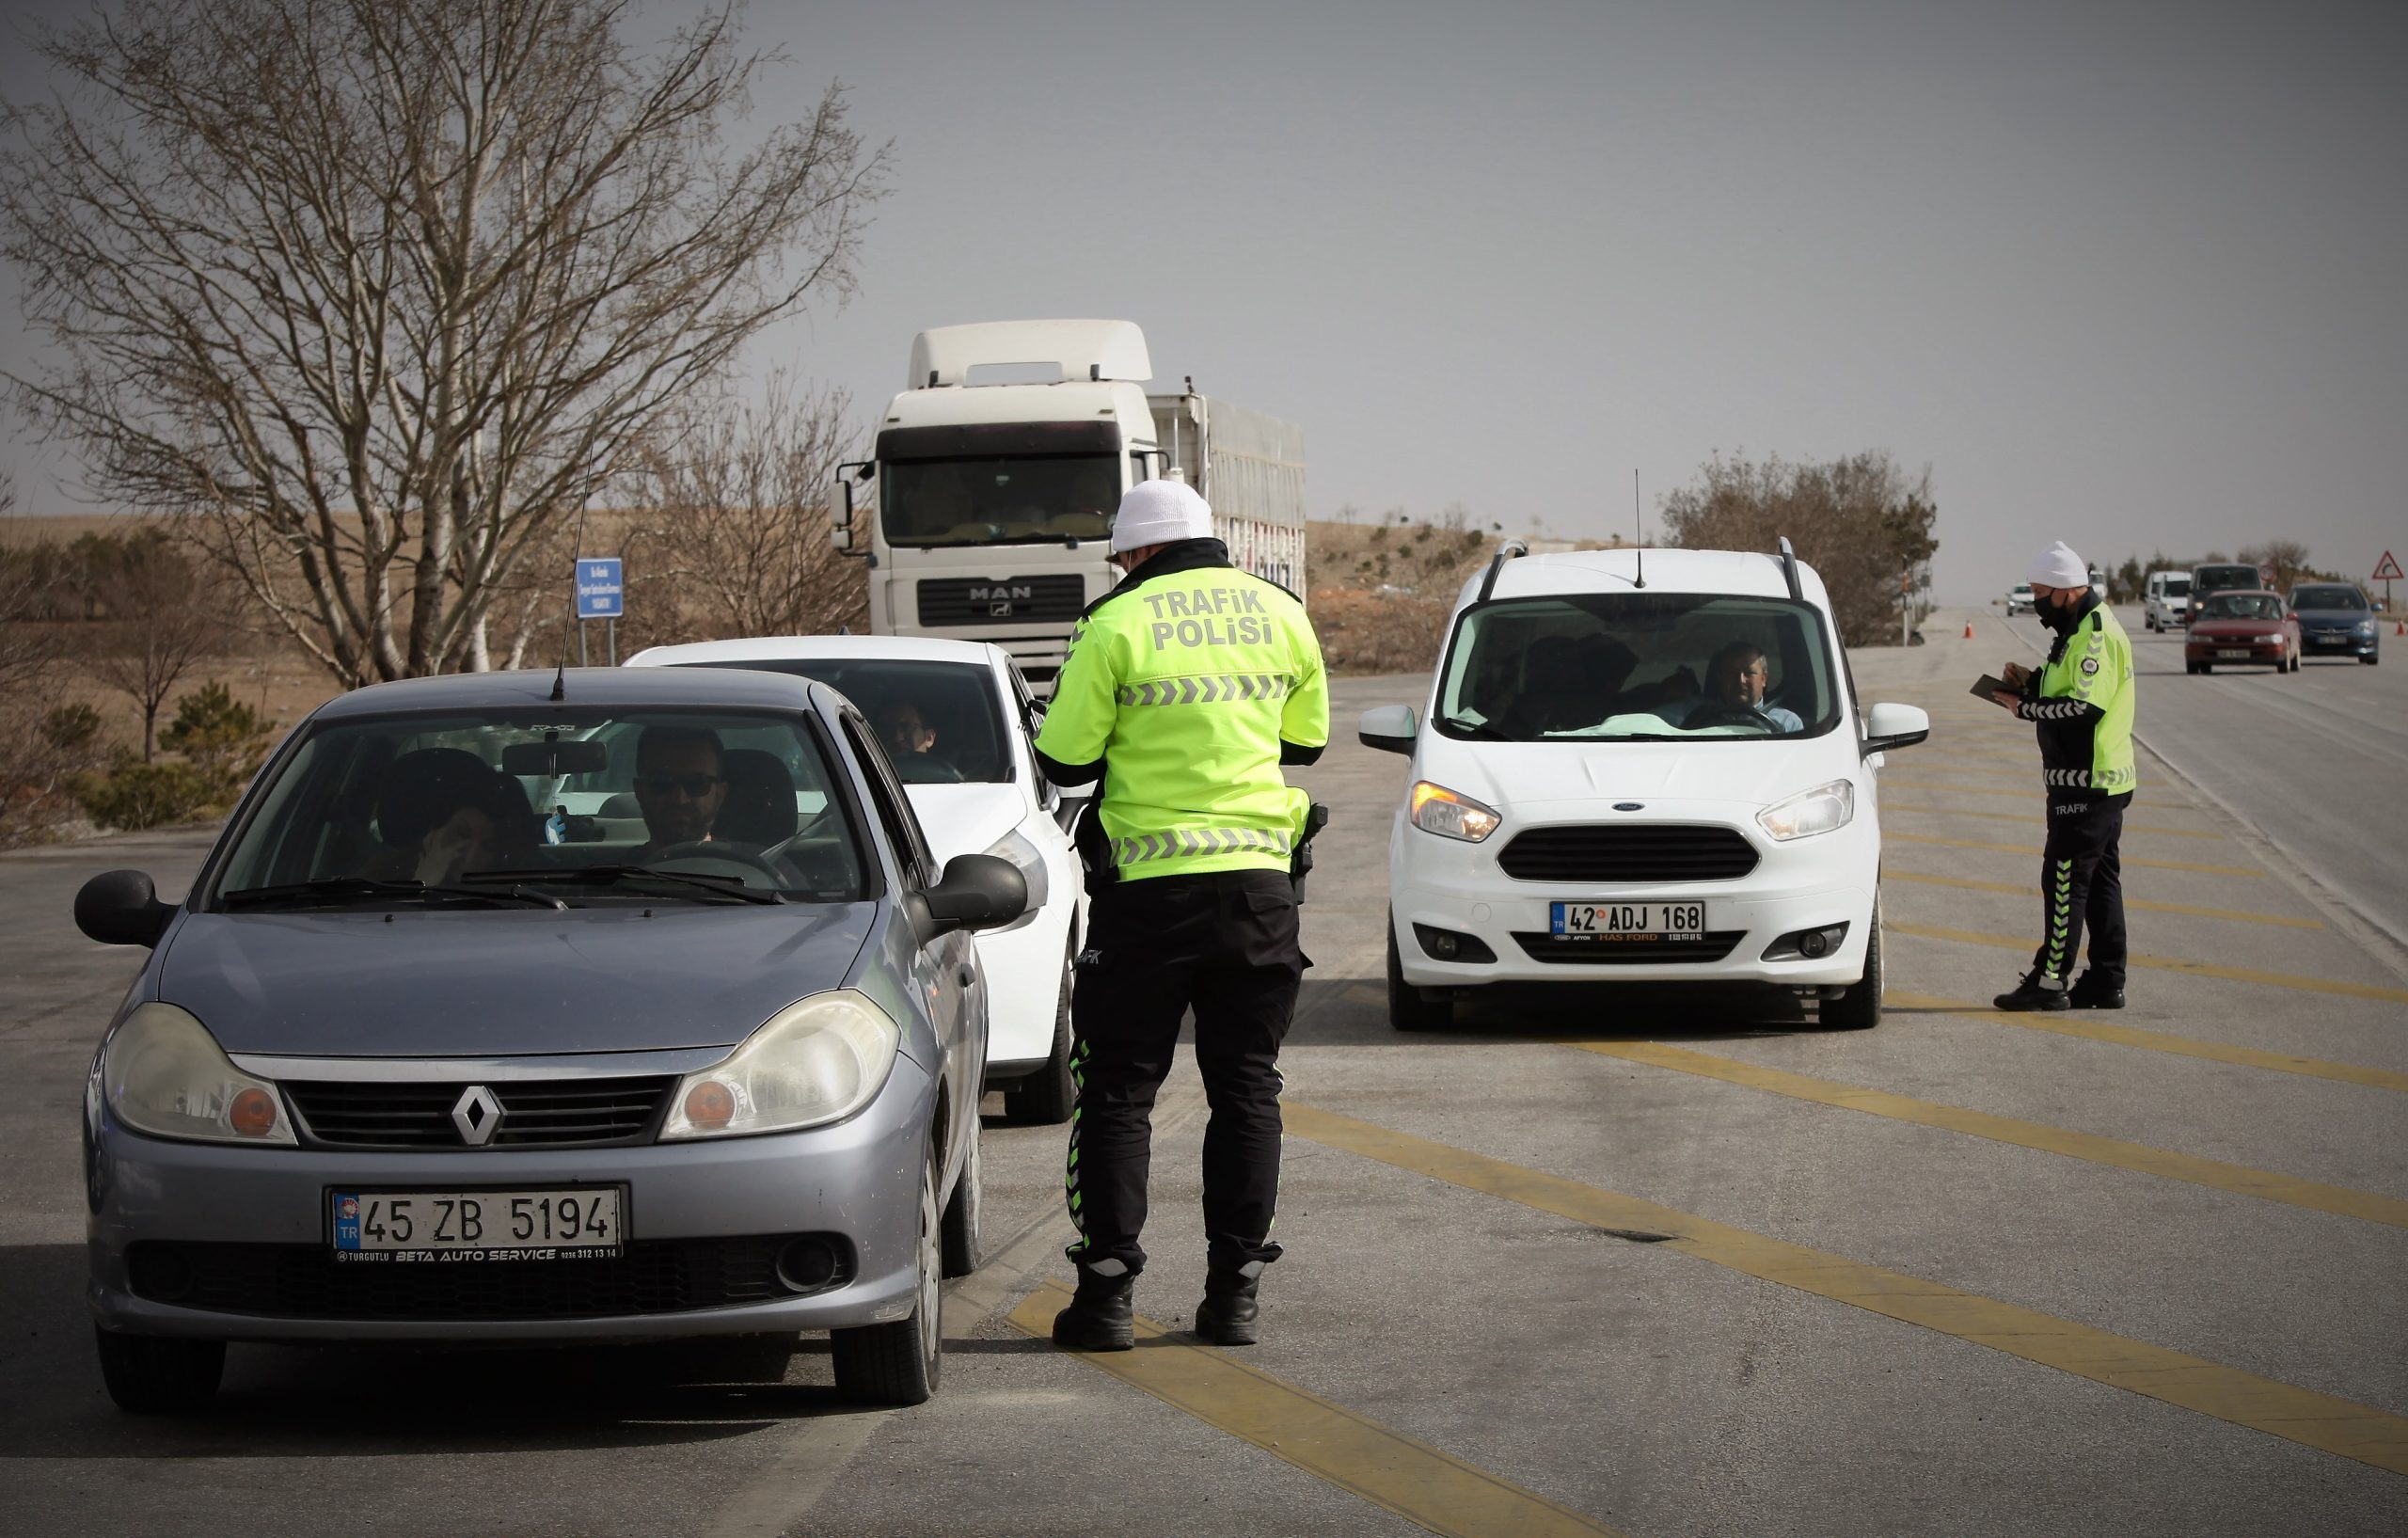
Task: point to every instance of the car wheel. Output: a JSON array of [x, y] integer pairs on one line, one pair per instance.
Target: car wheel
[[899, 1363], [1045, 1096], [962, 1250], [1408, 1009], [2206, 667], [1859, 1007], [2367, 659], [151, 1374]]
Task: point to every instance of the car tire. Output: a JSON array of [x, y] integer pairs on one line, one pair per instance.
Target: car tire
[[1409, 1009], [1045, 1096], [160, 1374], [962, 1251], [2367, 659], [2206, 667], [1859, 1007], [899, 1364]]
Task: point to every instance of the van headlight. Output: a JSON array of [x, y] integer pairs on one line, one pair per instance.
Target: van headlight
[[1810, 812], [816, 1061], [1437, 810], [166, 1076]]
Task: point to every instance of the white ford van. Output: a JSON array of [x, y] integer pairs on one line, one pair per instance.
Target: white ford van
[[2166, 604], [1627, 773]]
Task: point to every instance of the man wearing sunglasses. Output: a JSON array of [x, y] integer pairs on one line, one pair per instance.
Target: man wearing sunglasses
[[681, 784]]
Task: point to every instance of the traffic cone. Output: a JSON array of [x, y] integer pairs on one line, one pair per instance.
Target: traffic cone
[[1968, 629]]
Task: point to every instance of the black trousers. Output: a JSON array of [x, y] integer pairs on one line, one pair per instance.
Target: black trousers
[[2081, 887], [1224, 944]]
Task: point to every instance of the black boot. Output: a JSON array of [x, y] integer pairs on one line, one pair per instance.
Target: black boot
[[2090, 993], [1101, 1316], [2029, 994], [1230, 1312]]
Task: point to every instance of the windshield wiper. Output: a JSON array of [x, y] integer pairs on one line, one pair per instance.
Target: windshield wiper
[[1476, 729], [729, 887], [348, 889]]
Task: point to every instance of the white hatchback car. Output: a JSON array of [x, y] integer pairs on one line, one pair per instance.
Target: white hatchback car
[[1666, 782], [957, 720]]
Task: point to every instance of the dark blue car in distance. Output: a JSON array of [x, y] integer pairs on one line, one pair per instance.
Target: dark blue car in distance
[[2335, 620]]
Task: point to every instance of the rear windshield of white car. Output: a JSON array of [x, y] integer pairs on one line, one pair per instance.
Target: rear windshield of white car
[[1638, 666], [941, 721], [2328, 597], [573, 805]]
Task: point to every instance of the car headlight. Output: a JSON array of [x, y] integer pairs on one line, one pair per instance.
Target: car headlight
[[2366, 628], [166, 1076], [1437, 810], [1811, 811], [815, 1061]]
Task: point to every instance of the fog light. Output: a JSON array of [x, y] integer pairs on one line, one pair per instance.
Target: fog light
[[806, 1264], [1807, 944], [710, 1103], [1448, 945], [1812, 943], [162, 1273]]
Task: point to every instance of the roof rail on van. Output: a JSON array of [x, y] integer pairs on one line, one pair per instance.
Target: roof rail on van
[[1505, 552], [1789, 570]]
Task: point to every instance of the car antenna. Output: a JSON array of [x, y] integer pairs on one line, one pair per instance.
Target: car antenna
[[1637, 530], [575, 553]]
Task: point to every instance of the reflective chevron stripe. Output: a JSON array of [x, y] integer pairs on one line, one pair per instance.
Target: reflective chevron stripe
[[1206, 689], [1181, 842]]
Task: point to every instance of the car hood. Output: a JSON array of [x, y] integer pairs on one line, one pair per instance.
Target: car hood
[[2336, 618], [1719, 769], [966, 818], [491, 983]]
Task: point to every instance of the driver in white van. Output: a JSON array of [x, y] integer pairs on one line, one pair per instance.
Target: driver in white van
[[1735, 681]]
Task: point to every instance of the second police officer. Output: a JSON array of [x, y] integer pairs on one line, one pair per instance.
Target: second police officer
[[1187, 687]]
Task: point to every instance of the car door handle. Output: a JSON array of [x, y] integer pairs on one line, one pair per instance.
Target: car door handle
[[966, 974]]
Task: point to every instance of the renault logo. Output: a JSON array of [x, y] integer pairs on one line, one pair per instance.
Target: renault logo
[[477, 1116]]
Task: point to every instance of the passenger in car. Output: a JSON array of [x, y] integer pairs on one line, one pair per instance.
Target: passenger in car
[[910, 742], [681, 784], [1735, 681], [445, 811]]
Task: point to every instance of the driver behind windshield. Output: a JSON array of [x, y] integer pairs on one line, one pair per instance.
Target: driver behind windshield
[[681, 784], [1734, 691]]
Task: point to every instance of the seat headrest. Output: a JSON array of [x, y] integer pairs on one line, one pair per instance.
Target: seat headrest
[[760, 799]]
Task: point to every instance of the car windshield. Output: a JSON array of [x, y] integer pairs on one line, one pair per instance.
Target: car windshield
[[2213, 579], [1637, 665], [2241, 606], [560, 807], [1024, 499], [2176, 587], [2328, 597], [941, 721]]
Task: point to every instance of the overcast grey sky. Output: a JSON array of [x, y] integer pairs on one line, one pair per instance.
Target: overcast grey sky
[[2128, 274]]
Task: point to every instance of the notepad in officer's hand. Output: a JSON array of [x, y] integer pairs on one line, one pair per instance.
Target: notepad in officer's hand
[[1987, 687]]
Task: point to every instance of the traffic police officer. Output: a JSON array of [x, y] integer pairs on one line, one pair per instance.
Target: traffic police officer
[[1185, 690], [2081, 703]]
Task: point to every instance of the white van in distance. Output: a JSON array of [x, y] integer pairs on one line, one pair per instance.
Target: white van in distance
[[2166, 602], [1640, 775]]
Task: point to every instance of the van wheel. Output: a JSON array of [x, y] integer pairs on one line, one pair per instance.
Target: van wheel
[[1408, 1010], [962, 1250], [899, 1364], [1859, 1007], [151, 1374], [1044, 1098]]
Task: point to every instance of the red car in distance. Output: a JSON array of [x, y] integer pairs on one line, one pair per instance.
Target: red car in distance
[[2248, 628]]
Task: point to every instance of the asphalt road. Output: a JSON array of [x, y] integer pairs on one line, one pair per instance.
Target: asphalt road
[[1590, 1262]]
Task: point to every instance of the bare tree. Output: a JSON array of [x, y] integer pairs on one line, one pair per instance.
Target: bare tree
[[384, 289], [2286, 558], [167, 614], [734, 537]]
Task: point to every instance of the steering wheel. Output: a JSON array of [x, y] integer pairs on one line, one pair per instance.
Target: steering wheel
[[1724, 713], [727, 853]]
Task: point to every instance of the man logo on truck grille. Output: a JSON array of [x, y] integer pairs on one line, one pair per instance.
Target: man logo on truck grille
[[1000, 597]]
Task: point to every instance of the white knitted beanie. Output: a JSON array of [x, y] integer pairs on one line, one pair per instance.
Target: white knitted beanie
[[2057, 566], [1158, 512]]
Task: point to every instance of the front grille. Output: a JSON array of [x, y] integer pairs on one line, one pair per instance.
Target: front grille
[[1010, 600], [1556, 951], [535, 1113], [1616, 853], [304, 1281]]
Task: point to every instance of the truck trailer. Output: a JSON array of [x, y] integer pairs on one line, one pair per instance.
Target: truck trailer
[[986, 512]]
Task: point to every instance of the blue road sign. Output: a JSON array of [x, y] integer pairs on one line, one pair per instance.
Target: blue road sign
[[599, 594]]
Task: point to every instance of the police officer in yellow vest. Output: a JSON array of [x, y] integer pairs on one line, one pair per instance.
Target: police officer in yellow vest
[[2082, 704], [1185, 690]]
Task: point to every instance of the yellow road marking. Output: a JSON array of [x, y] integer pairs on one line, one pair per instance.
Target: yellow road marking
[[2035, 852], [2277, 920], [2301, 1416], [1392, 1470], [2240, 1180], [2176, 964], [2178, 1046], [2019, 816]]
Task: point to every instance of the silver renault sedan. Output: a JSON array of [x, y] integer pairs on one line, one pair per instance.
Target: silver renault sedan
[[425, 1058]]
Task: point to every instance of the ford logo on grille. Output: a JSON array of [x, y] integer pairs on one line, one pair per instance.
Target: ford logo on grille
[[1630, 806]]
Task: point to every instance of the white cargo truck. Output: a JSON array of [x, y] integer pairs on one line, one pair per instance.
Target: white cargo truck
[[986, 514]]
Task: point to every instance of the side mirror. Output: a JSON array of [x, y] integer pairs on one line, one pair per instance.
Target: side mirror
[[1389, 728], [978, 892], [1888, 726], [122, 908], [841, 518]]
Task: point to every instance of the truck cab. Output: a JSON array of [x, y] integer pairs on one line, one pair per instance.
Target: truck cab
[[986, 514]]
